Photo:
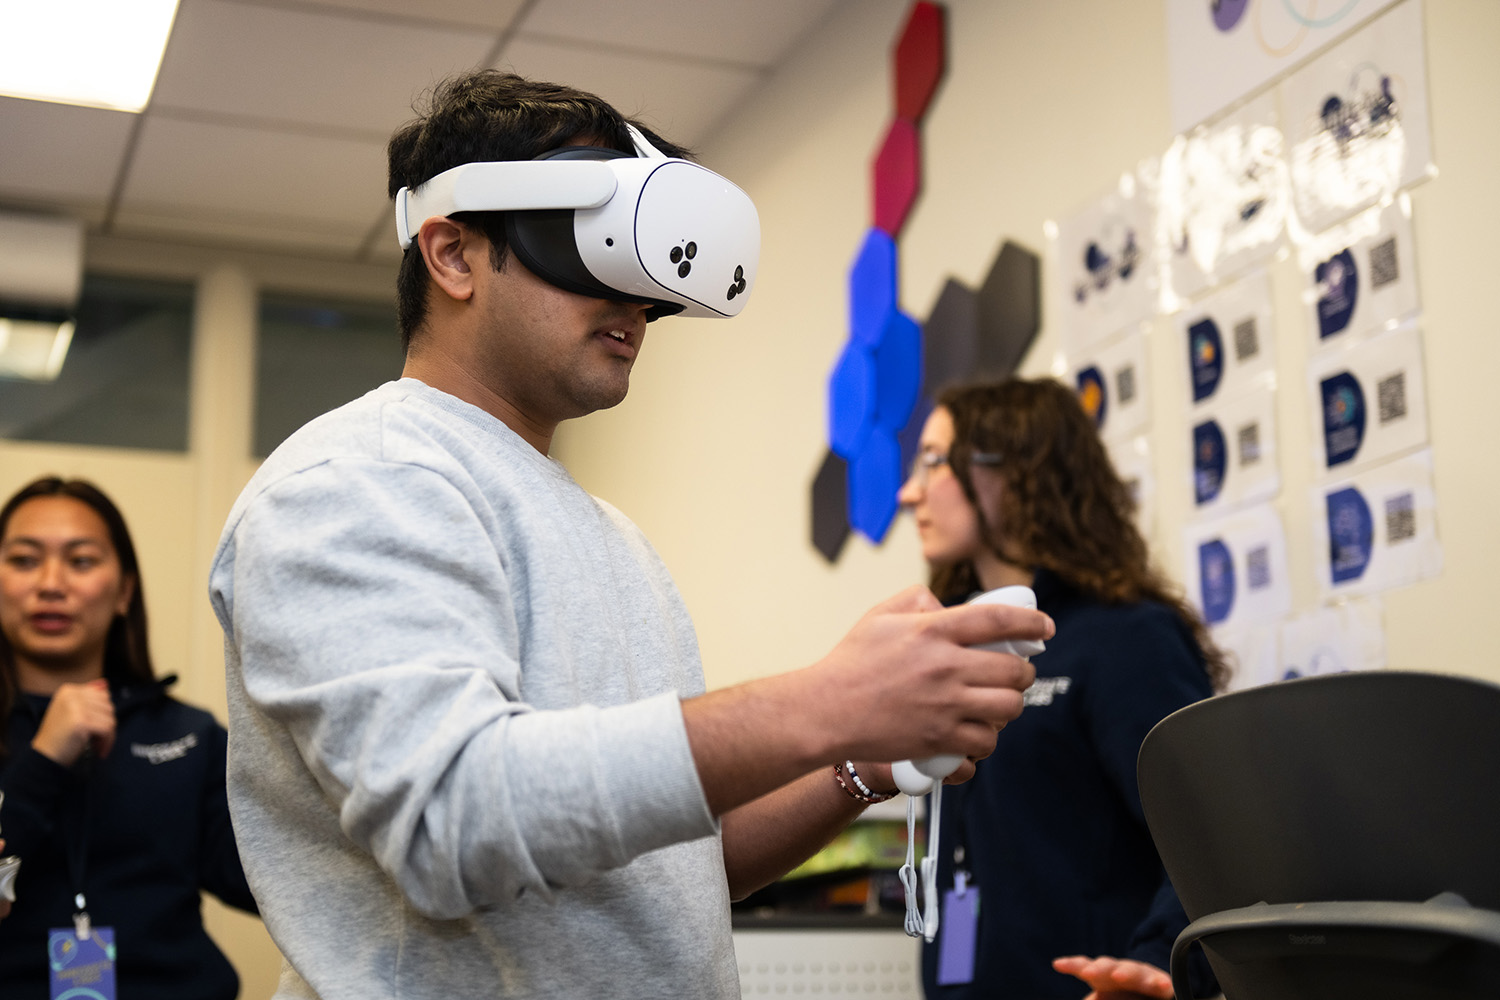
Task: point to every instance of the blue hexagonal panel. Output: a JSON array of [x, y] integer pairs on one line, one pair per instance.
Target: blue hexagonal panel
[[872, 287], [898, 370], [874, 479], [851, 400]]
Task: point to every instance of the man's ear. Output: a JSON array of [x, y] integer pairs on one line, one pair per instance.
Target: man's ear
[[446, 246]]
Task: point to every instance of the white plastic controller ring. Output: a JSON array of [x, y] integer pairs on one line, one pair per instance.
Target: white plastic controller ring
[[917, 777]]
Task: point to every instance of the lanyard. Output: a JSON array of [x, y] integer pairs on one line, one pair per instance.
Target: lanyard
[[76, 843]]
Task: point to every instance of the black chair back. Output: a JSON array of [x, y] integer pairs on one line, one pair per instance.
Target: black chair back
[[1337, 836]]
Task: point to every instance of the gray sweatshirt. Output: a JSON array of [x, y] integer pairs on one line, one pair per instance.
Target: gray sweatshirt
[[457, 761]]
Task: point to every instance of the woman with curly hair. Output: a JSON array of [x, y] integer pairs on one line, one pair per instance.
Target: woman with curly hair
[[1012, 485]]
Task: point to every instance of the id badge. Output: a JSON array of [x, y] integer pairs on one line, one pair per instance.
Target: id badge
[[82, 968], [960, 924]]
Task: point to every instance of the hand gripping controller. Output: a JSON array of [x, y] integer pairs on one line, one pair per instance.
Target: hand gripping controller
[[917, 777]]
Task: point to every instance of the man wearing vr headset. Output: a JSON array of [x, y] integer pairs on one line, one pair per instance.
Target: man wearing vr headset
[[471, 750]]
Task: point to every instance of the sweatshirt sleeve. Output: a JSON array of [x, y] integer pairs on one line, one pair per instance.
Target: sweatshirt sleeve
[[219, 868], [376, 625]]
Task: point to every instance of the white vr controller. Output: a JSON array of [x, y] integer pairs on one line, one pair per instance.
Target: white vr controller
[[917, 777]]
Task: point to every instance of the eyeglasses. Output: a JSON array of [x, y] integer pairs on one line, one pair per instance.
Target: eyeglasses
[[925, 461], [922, 466]]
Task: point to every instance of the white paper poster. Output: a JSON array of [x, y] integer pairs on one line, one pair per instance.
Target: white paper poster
[[1234, 449], [1220, 50], [1335, 640], [1371, 398], [1131, 458], [1378, 529], [1236, 568], [1222, 197], [1104, 276], [1356, 119], [1114, 385], [1228, 339], [1255, 652], [1361, 277]]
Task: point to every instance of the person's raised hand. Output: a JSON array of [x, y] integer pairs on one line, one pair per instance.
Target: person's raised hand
[[80, 716], [908, 684], [1117, 978]]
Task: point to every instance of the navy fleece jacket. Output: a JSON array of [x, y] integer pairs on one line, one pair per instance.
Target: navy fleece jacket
[[148, 827]]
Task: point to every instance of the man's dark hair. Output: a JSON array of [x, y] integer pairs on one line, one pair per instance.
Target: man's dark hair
[[489, 115]]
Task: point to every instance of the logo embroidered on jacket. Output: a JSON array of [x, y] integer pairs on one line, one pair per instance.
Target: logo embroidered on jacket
[[160, 753], [1045, 689]]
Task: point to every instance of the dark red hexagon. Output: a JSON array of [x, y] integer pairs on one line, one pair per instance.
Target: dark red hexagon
[[898, 175], [920, 59]]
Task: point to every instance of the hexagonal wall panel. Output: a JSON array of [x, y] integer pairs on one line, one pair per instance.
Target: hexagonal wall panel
[[897, 175], [950, 339], [874, 479], [872, 287], [919, 60], [851, 400], [898, 370], [1009, 310], [830, 507]]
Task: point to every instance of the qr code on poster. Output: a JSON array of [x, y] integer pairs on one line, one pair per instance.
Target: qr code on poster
[[1258, 567], [1383, 269], [1125, 384], [1400, 518], [1246, 340], [1391, 392], [1249, 438]]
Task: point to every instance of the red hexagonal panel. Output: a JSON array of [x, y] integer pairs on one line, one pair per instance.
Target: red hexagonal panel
[[898, 174], [920, 59]]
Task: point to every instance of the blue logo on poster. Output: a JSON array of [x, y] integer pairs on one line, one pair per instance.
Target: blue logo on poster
[[1343, 417], [1093, 395], [1209, 455], [1227, 13], [1216, 580], [1338, 288], [1205, 357], [1351, 532]]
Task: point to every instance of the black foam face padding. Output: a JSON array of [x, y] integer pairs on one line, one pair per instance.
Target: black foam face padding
[[543, 241]]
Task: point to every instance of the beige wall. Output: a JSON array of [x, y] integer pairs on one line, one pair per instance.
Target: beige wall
[[1044, 104]]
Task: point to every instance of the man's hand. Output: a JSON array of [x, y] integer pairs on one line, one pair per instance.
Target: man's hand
[[1117, 978], [909, 686], [80, 716]]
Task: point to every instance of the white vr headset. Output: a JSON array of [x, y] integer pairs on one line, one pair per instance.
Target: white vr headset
[[645, 228]]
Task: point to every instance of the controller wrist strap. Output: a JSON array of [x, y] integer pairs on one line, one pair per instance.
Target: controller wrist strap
[[922, 922]]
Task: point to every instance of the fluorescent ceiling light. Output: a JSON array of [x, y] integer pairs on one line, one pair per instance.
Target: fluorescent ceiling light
[[33, 350], [97, 53]]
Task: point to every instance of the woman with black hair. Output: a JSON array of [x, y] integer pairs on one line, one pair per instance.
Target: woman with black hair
[[113, 791]]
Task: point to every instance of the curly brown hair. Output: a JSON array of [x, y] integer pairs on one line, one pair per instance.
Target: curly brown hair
[[1063, 506]]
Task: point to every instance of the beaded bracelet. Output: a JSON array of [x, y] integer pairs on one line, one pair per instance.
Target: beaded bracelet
[[860, 792]]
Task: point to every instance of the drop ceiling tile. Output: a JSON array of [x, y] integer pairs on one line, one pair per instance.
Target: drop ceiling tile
[[682, 101], [322, 69], [59, 156], [710, 30], [221, 175], [495, 14]]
